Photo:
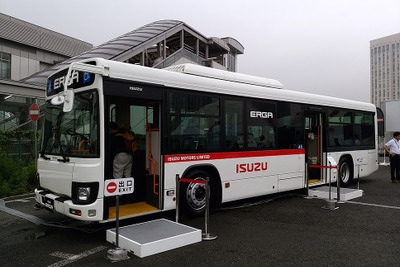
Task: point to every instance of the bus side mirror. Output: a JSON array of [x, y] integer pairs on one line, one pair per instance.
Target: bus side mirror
[[68, 101], [57, 100]]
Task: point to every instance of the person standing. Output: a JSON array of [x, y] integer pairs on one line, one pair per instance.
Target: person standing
[[122, 159], [393, 148]]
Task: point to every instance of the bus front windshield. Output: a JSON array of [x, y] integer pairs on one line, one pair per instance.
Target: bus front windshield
[[74, 133]]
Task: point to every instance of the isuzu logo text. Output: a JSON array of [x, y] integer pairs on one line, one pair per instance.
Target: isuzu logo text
[[135, 88], [261, 114], [251, 167]]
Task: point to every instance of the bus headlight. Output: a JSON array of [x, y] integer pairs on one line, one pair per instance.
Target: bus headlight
[[84, 193]]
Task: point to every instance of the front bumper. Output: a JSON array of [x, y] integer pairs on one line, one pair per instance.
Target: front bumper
[[64, 205]]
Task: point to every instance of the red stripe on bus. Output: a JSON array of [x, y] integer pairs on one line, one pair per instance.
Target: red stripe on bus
[[230, 155]]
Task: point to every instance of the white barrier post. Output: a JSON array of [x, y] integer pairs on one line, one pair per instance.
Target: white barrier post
[[384, 163], [359, 161]]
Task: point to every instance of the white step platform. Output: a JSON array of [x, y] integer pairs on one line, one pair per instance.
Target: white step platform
[[345, 193], [148, 238]]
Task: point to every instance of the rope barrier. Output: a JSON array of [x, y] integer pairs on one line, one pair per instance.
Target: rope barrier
[[330, 202]]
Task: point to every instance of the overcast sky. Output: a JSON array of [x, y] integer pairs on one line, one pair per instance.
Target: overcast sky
[[316, 46]]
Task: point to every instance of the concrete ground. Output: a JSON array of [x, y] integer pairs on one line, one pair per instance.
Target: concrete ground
[[287, 230]]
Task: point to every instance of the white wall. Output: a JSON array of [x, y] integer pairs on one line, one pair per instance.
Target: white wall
[[22, 67], [392, 113]]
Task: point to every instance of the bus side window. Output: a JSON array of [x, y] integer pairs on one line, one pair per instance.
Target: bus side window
[[234, 125], [260, 137], [291, 126], [191, 121], [261, 125]]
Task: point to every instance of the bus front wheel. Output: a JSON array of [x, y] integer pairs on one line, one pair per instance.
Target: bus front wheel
[[345, 171], [193, 195]]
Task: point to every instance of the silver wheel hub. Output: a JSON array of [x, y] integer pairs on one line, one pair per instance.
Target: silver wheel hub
[[195, 195], [345, 172]]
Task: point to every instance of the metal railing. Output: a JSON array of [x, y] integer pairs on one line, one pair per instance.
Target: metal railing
[[181, 53]]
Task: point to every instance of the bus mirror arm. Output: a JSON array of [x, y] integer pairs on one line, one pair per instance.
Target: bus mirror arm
[[68, 94], [69, 101]]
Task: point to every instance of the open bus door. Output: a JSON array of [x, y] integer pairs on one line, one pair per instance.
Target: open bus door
[[153, 155], [141, 118], [314, 143]]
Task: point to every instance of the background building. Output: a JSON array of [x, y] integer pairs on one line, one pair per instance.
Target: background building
[[26, 49], [385, 81], [29, 54], [385, 69], [160, 44]]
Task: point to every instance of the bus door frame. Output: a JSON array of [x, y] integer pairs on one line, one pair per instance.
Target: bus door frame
[[135, 93], [154, 183], [314, 140]]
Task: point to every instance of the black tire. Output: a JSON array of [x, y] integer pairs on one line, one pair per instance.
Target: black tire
[[345, 171], [193, 195]]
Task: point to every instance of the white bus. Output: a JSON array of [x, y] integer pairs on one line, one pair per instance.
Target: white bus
[[247, 134]]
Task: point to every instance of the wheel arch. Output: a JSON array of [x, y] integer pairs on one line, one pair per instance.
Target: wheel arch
[[215, 179], [350, 160]]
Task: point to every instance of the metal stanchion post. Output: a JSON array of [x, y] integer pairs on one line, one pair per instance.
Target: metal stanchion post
[[358, 179], [338, 188], [330, 185], [177, 198], [307, 180], [330, 203], [36, 150], [117, 223], [118, 253], [206, 235]]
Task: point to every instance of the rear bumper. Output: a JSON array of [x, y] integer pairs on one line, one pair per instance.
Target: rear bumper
[[63, 205]]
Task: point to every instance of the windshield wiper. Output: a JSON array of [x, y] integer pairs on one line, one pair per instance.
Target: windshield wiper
[[64, 159], [43, 156], [57, 137]]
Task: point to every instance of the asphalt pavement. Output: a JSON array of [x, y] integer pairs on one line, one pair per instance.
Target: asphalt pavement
[[278, 230]]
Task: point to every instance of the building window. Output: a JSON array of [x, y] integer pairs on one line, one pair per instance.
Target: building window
[[231, 64], [5, 66]]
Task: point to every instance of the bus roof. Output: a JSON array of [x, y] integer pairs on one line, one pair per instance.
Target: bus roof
[[201, 71], [199, 78]]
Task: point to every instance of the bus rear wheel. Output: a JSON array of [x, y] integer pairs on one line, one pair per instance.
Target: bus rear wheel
[[345, 171]]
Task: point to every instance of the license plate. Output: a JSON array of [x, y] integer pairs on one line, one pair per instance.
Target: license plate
[[48, 203]]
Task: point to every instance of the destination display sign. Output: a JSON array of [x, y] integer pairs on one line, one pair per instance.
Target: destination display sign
[[55, 83]]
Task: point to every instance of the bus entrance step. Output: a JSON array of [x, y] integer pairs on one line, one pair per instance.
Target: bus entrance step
[[148, 238], [345, 193]]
